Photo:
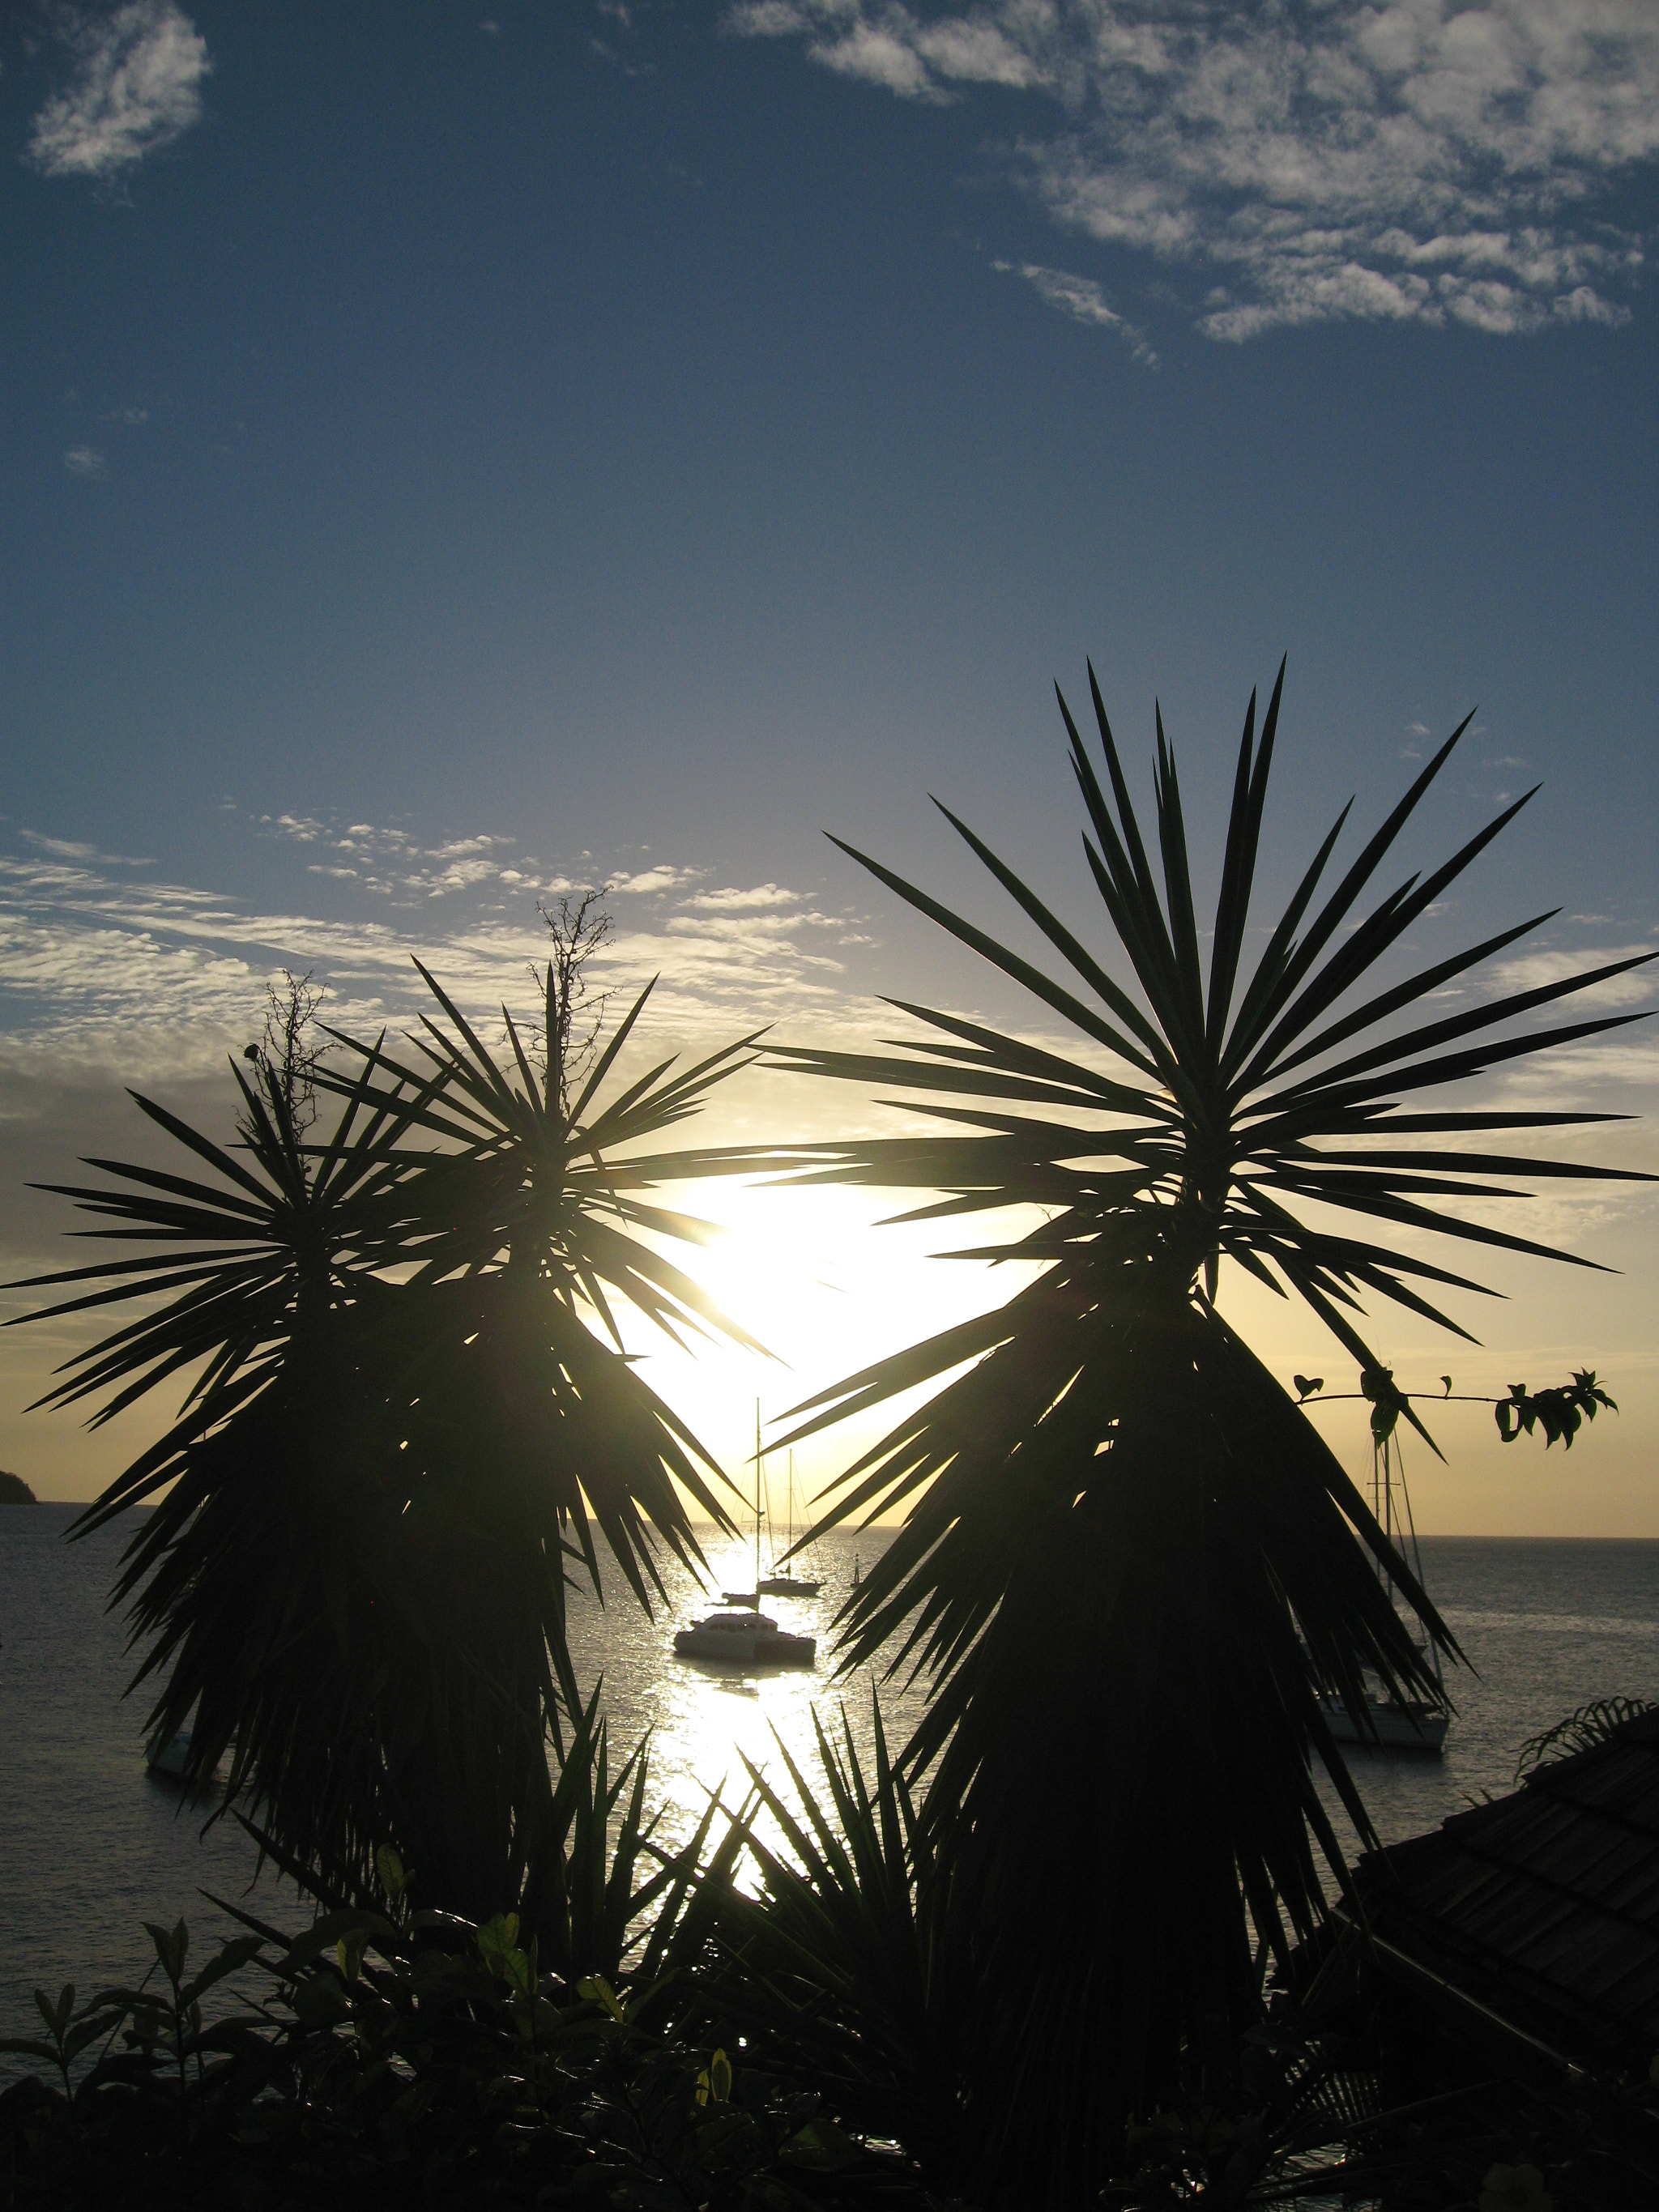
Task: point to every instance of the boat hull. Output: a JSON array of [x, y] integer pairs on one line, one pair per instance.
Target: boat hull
[[789, 1586], [746, 1640], [167, 1759], [1417, 1727]]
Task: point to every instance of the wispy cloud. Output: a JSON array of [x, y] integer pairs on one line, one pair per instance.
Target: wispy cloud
[[84, 461], [67, 849], [1427, 161], [101, 964], [1530, 971], [136, 85], [1082, 299]]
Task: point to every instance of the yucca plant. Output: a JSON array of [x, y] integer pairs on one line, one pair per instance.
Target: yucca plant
[[849, 1971], [1130, 1566], [403, 1422]]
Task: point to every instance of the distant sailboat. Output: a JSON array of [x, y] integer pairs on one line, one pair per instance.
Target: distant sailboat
[[753, 1597], [746, 1635], [784, 1581], [1417, 1724]]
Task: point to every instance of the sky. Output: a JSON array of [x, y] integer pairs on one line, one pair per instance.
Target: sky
[[454, 454]]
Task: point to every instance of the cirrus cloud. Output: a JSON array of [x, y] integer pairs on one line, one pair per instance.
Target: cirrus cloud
[[1428, 160], [137, 88]]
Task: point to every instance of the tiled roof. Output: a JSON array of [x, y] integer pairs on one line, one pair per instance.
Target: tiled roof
[[1544, 1906]]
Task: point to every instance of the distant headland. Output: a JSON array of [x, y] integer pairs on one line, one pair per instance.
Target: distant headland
[[14, 1491]]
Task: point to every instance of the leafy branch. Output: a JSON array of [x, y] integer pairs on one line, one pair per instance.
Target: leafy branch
[[1559, 1411]]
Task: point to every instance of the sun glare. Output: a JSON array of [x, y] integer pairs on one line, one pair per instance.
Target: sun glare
[[812, 1276]]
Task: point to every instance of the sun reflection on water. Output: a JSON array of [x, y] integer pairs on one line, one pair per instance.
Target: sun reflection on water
[[706, 1718]]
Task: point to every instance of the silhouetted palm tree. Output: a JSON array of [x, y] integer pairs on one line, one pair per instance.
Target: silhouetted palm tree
[[406, 1420], [1129, 1563]]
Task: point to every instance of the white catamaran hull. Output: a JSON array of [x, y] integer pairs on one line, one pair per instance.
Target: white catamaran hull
[[747, 1639]]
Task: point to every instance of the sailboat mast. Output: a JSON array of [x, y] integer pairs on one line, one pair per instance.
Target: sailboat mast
[[758, 1465]]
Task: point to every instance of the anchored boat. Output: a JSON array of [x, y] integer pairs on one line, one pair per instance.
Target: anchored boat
[[746, 1634], [783, 1581], [1410, 1724]]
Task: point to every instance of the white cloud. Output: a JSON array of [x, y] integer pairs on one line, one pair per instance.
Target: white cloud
[[136, 86], [1082, 299], [84, 461], [98, 964], [1428, 160], [1530, 971], [460, 849], [658, 878], [733, 901]]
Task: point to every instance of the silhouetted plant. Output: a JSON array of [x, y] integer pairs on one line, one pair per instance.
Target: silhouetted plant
[[1589, 1725], [1116, 1500], [419, 2058], [849, 1969], [1559, 1412], [408, 1406]]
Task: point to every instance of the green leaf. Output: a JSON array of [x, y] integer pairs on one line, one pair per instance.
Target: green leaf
[[320, 2003], [21, 2047], [597, 1990], [822, 2147], [171, 1947]]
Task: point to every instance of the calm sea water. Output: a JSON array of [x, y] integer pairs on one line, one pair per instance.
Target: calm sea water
[[91, 1844]]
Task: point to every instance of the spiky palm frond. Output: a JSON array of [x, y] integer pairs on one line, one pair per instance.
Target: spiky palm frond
[[399, 1428], [1115, 1498], [849, 1969]]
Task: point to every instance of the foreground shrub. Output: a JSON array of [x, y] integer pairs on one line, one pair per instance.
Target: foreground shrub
[[429, 2063]]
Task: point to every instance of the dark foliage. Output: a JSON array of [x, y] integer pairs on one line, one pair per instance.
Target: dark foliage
[[1115, 1498], [407, 1412], [427, 2063]]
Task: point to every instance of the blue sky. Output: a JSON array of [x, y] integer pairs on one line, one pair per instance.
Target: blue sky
[[453, 452]]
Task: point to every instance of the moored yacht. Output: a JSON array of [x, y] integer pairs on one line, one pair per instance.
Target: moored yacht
[[1396, 1724], [746, 1635], [1387, 1723], [166, 1755], [784, 1581]]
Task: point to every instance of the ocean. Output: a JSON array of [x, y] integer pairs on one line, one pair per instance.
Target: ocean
[[92, 1844]]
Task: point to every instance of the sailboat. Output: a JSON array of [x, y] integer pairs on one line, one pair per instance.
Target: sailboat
[[1417, 1724], [745, 1634], [783, 1581], [753, 1597]]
